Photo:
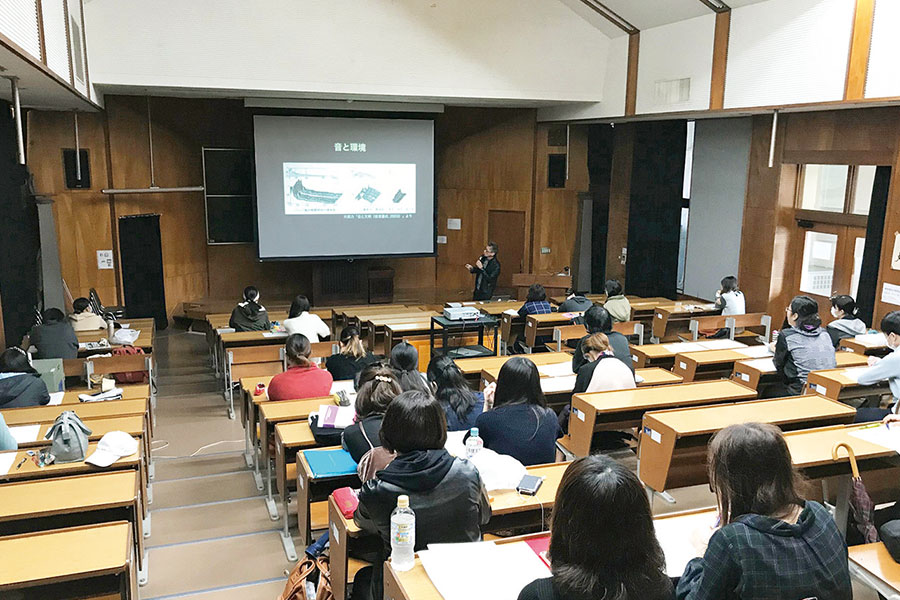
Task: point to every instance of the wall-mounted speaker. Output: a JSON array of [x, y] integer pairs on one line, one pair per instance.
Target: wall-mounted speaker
[[73, 181]]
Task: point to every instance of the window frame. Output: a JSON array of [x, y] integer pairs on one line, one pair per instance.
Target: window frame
[[845, 217]]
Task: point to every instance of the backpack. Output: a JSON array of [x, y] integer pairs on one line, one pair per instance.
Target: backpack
[[69, 438], [374, 460], [132, 376], [296, 586]]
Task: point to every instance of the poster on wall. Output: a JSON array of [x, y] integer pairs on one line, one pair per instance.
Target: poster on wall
[[895, 257], [890, 294]]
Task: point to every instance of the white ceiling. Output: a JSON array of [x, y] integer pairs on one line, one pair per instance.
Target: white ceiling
[[646, 14], [37, 89]]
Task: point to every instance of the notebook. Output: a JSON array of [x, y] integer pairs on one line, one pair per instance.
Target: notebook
[[540, 545], [330, 463]]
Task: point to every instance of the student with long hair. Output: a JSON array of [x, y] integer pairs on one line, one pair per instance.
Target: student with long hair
[[303, 378], [446, 493], [803, 346], [772, 543], [83, 318], [20, 384], [249, 314], [54, 338], [602, 540], [352, 357], [846, 323], [300, 320], [405, 362], [376, 389], [729, 298], [519, 423], [617, 305], [461, 404]]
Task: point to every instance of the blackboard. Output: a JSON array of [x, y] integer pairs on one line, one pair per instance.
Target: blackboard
[[229, 194]]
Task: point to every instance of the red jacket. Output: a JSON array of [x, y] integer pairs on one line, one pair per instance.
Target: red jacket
[[300, 382]]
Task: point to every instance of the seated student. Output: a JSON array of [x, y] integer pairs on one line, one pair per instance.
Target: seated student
[[536, 302], [446, 493], [803, 346], [7, 441], [846, 324], [575, 302], [461, 404], [729, 298], [376, 389], [884, 369], [519, 423], [20, 384], [83, 318], [598, 320], [405, 363], [249, 315], [300, 320], [605, 372], [303, 379], [772, 544], [353, 356], [601, 504], [617, 305], [55, 338]]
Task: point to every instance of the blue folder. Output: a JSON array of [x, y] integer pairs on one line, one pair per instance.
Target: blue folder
[[330, 463]]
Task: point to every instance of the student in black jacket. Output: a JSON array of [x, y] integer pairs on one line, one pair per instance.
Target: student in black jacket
[[598, 320], [55, 338], [250, 315], [376, 389], [20, 384], [446, 493], [602, 541], [802, 347], [352, 358], [405, 363]]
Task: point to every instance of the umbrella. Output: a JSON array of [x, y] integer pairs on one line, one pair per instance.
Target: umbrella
[[862, 509]]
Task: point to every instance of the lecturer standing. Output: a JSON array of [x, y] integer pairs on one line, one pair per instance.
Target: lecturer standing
[[487, 271]]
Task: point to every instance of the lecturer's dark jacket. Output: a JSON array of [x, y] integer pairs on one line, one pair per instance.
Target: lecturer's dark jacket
[[486, 279]]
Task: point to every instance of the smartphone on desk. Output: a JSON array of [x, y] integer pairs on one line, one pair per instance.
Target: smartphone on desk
[[530, 485]]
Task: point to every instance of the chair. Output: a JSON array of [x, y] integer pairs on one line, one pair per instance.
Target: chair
[[116, 312], [51, 372]]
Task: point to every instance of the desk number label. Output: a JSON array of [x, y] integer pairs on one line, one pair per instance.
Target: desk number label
[[300, 483], [744, 376], [654, 435], [683, 365], [579, 414], [634, 358], [334, 532]]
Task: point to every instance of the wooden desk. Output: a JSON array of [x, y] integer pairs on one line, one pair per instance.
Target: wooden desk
[[663, 355], [508, 508], [625, 408], [130, 391], [147, 328], [840, 384], [472, 367], [673, 445], [873, 566], [868, 344], [553, 284], [760, 372], [542, 325], [714, 364], [669, 321], [312, 496], [495, 309], [290, 438], [374, 327], [53, 564], [30, 506]]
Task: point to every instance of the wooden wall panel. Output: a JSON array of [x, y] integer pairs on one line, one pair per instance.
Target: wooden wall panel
[[619, 200]]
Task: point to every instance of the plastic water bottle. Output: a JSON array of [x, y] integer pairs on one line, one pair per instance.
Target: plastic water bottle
[[403, 535], [474, 444]]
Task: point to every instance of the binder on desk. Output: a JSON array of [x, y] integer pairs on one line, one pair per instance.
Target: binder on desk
[[330, 463]]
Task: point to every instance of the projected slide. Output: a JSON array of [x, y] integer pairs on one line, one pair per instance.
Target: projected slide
[[349, 188]]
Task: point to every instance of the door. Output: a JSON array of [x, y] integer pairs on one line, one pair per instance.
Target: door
[[507, 229], [140, 249], [830, 259]]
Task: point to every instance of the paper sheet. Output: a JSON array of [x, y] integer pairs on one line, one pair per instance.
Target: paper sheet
[[720, 345], [754, 351], [56, 398], [880, 435], [683, 347], [511, 311], [25, 434], [552, 385], [343, 384], [563, 369], [496, 571], [454, 444], [854, 373], [764, 365], [273, 334], [871, 340], [675, 534], [6, 461]]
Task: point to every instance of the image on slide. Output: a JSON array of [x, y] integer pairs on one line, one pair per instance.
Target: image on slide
[[349, 188]]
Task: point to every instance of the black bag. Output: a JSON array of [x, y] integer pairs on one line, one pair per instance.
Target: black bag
[[325, 436], [890, 535]]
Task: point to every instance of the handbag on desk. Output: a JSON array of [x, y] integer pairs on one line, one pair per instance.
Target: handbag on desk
[[69, 438]]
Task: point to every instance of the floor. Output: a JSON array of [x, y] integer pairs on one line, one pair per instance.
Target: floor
[[212, 538]]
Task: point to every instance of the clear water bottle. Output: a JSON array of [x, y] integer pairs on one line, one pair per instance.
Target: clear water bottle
[[110, 329], [403, 535], [474, 443]]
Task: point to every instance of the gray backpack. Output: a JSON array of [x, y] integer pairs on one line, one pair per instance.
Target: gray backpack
[[69, 438]]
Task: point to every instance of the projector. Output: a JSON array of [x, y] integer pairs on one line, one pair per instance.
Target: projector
[[461, 313]]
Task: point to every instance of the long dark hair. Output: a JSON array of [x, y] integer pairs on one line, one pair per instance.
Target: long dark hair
[[251, 294], [602, 541], [751, 472], [729, 284], [519, 383], [376, 388], [297, 349], [15, 360], [405, 362], [451, 387], [414, 421], [299, 306], [807, 311]]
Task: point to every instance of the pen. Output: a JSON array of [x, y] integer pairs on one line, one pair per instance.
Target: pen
[[21, 462]]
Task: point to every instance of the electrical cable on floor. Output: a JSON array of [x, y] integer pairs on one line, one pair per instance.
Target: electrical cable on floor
[[196, 452]]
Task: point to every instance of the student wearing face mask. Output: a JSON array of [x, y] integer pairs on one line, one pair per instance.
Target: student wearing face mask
[[887, 368], [846, 324]]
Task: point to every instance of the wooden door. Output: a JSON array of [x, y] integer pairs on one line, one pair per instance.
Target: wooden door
[[829, 258], [507, 229]]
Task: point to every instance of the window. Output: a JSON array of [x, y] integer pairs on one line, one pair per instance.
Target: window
[[818, 263], [844, 189], [77, 51]]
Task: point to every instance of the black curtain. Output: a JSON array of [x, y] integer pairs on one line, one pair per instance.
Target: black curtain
[[20, 240], [654, 218], [600, 152], [140, 249], [868, 273]]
